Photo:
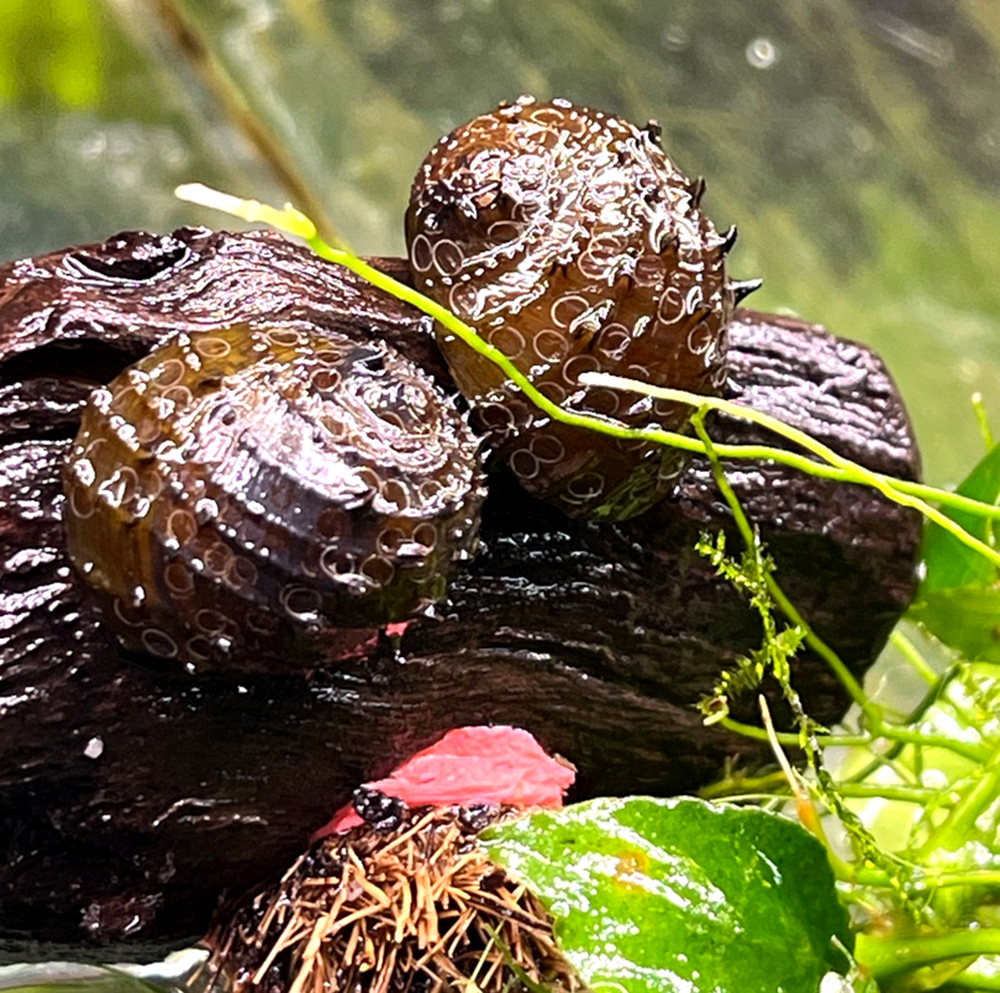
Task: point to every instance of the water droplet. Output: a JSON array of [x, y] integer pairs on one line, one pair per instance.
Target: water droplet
[[675, 38], [762, 53]]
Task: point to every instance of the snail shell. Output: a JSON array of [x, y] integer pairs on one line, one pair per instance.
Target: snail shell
[[570, 241], [239, 492]]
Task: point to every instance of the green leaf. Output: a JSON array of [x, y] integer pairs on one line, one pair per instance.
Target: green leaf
[[681, 895], [949, 563], [111, 981], [966, 618]]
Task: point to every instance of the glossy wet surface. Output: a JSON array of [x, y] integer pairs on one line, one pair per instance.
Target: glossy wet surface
[[856, 145]]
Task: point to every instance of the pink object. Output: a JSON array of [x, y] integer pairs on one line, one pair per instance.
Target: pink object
[[469, 765]]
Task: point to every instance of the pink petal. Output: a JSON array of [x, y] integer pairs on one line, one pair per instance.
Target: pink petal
[[479, 764]]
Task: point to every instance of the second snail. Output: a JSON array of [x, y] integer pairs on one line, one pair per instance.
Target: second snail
[[257, 498], [571, 242]]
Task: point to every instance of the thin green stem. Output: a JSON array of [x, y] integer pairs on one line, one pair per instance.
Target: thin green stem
[[774, 785], [923, 880], [958, 826], [887, 957], [905, 794], [725, 488], [833, 661], [886, 485], [894, 764], [964, 877], [792, 740], [296, 223], [956, 501], [970, 752], [917, 662], [915, 716], [976, 981], [871, 710], [770, 785], [973, 753], [979, 408], [798, 437]]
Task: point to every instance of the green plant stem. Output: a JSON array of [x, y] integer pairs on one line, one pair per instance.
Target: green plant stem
[[914, 717], [871, 710], [959, 825], [775, 785], [956, 501], [984, 984], [979, 408], [902, 735], [917, 662], [922, 881], [886, 485], [859, 873], [886, 791], [849, 471], [887, 957], [790, 740], [964, 877], [296, 223], [770, 784]]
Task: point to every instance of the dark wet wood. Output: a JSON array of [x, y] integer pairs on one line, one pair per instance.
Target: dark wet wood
[[598, 638]]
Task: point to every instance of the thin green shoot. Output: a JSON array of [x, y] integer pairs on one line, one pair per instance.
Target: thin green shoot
[[913, 883], [982, 418], [294, 222]]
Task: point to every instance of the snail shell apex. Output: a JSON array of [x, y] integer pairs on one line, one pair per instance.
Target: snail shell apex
[[570, 241], [239, 492]]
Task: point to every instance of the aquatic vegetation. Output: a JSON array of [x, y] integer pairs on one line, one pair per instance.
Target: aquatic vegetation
[[922, 909]]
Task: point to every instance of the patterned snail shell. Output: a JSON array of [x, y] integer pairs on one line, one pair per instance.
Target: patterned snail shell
[[252, 497], [569, 240]]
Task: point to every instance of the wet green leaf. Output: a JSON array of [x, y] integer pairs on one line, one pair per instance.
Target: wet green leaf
[[681, 895], [950, 564], [111, 981], [966, 618]]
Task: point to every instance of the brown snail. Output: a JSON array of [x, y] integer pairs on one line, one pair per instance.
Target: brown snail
[[568, 239], [247, 493], [266, 496]]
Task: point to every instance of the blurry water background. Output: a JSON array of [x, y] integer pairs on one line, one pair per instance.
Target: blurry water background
[[856, 143]]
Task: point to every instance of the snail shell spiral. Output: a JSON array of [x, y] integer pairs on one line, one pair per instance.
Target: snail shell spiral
[[238, 493], [570, 241]]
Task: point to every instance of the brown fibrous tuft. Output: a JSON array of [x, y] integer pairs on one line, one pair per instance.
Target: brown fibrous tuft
[[420, 908]]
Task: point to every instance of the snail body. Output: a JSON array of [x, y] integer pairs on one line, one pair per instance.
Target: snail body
[[270, 496], [569, 240], [240, 493]]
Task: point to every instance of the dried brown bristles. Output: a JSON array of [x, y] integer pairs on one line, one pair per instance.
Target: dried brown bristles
[[419, 908]]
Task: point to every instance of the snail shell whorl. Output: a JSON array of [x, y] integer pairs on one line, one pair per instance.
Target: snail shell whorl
[[568, 239], [239, 492]]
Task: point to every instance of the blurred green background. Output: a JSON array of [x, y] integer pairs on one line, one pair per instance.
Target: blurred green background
[[856, 143]]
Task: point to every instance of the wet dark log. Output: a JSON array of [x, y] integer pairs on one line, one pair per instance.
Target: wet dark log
[[131, 796]]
